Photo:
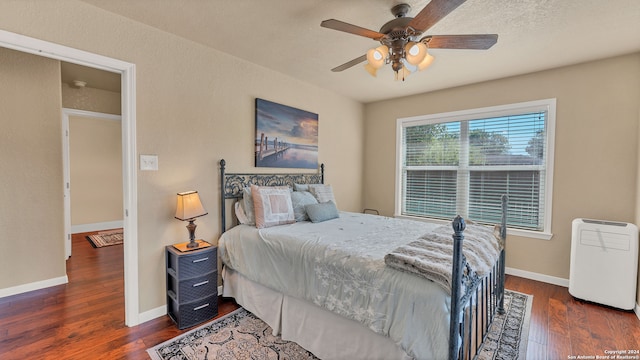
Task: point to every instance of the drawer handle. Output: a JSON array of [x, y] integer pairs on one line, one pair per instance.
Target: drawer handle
[[201, 283], [200, 260], [200, 307]]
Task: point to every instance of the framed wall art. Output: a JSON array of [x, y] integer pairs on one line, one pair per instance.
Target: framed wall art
[[286, 137]]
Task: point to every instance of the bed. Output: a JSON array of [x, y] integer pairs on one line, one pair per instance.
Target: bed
[[330, 285]]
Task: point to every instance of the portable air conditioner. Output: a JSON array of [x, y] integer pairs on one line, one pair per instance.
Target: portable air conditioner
[[604, 262]]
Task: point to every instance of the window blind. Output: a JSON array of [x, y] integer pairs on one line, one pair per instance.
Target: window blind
[[464, 167]]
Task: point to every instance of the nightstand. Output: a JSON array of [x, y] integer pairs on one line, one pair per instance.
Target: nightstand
[[192, 291]]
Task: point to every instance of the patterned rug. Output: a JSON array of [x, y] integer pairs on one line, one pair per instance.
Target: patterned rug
[[509, 333], [241, 335], [106, 238]]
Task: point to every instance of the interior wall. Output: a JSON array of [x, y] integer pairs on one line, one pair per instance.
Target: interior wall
[[95, 154], [91, 99], [31, 217], [596, 147], [195, 106]]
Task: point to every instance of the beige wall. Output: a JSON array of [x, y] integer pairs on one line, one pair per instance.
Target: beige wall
[[31, 217], [195, 106], [95, 154], [90, 99], [596, 147]]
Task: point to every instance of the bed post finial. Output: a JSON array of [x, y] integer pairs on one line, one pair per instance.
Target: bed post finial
[[322, 173], [458, 225]]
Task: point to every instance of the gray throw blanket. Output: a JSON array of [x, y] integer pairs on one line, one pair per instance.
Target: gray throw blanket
[[431, 256]]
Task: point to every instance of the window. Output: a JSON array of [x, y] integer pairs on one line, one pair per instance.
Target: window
[[462, 162]]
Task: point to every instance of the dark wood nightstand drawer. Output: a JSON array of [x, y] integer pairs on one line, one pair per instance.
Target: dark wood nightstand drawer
[[195, 288]]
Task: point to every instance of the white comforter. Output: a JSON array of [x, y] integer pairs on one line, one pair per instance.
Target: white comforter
[[339, 265]]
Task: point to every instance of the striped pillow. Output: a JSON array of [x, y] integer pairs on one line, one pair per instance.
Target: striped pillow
[[272, 205]]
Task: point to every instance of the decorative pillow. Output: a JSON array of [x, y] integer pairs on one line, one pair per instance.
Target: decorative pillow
[[299, 199], [241, 215], [247, 206], [322, 193], [322, 211], [301, 187], [272, 205]]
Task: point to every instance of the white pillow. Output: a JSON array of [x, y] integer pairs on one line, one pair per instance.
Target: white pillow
[[241, 215], [322, 193], [247, 205], [272, 205]]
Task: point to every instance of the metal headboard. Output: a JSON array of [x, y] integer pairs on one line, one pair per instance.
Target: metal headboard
[[232, 184]]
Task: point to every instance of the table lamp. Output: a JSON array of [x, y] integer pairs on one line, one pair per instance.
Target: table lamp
[[188, 209]]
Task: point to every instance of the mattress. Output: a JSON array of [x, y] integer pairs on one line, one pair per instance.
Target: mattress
[[338, 265]]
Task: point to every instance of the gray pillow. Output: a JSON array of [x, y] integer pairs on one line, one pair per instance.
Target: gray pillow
[[322, 211], [299, 199]]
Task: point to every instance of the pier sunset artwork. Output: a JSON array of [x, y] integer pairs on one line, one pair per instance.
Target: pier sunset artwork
[[286, 137]]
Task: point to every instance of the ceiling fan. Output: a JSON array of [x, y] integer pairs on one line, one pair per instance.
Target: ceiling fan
[[401, 44]]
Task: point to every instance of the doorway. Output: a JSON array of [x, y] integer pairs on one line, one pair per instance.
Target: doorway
[[92, 167], [127, 72]]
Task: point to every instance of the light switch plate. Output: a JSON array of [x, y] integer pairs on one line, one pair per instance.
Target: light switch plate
[[149, 162]]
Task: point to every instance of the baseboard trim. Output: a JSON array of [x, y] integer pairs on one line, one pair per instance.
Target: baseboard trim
[[538, 277], [160, 311], [636, 310], [37, 285], [152, 314], [96, 226]]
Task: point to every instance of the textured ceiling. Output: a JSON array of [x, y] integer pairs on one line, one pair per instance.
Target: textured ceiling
[[285, 35]]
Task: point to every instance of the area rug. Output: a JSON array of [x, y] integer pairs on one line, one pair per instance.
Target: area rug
[[509, 333], [106, 238], [241, 335]]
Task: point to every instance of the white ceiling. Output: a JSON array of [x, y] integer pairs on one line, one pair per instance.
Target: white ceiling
[[285, 35]]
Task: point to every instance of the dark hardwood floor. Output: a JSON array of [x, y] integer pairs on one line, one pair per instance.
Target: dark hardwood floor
[[84, 319]]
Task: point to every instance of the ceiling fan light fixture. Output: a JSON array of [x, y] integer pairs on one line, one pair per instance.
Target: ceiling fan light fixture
[[428, 59], [415, 52], [377, 56]]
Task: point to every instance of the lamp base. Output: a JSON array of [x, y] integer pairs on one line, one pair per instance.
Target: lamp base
[[192, 244], [183, 247]]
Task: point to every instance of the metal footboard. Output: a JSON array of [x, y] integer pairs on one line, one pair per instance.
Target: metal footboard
[[478, 300]]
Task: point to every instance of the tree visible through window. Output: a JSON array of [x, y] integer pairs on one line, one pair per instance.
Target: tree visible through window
[[463, 163]]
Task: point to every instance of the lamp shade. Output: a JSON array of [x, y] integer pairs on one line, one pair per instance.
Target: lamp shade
[[376, 57], [426, 62], [189, 206], [370, 69], [415, 52]]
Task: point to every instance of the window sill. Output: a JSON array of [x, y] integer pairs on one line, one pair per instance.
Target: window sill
[[515, 232], [530, 234]]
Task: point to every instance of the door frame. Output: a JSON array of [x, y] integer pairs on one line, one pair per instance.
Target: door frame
[[129, 172], [66, 165]]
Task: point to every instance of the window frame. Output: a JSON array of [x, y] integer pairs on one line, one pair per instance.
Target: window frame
[[547, 105]]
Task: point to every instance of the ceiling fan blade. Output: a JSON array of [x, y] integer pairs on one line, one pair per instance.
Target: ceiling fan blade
[[474, 42], [432, 13], [349, 64], [352, 29]]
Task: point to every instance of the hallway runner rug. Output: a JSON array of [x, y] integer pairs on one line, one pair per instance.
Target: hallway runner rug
[[106, 238], [241, 335]]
